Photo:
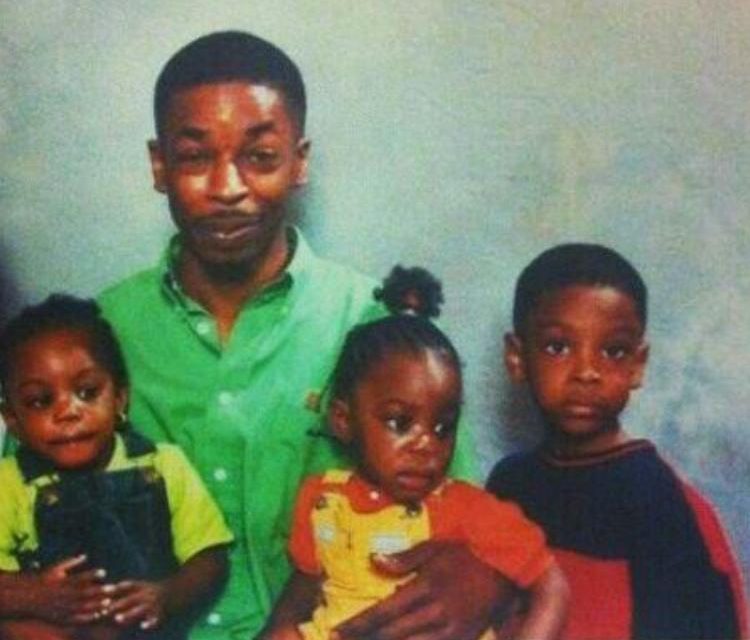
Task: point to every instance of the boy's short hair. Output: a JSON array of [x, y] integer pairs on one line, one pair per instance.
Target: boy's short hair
[[576, 264], [63, 312], [226, 56]]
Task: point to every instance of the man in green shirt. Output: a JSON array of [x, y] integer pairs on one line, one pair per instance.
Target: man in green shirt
[[231, 339]]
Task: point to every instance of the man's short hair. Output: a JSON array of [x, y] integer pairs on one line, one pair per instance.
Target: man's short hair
[[576, 264], [227, 56]]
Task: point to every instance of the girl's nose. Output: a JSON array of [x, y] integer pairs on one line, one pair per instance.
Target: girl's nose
[[67, 409]]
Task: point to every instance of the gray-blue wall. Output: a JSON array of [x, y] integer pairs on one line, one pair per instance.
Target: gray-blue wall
[[466, 136]]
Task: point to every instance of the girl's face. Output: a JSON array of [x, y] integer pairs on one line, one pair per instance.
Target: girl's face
[[402, 419], [61, 403]]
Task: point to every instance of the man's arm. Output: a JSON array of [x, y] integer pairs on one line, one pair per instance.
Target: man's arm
[[454, 596]]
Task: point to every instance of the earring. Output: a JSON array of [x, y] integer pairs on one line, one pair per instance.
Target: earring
[[122, 418]]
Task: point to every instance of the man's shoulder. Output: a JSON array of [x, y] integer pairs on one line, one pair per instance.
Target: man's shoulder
[[141, 284]]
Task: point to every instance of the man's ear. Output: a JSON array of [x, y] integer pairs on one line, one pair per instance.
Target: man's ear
[[639, 365], [158, 166], [303, 155], [338, 418], [514, 362]]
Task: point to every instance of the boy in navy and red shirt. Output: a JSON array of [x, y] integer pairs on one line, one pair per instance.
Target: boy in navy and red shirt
[[643, 551]]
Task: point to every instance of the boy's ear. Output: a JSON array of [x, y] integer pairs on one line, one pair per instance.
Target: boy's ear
[[514, 362], [338, 418], [158, 166], [303, 155], [639, 365]]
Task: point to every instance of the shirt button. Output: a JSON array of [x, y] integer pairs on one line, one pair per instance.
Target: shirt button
[[225, 398], [214, 619], [220, 474], [203, 327]]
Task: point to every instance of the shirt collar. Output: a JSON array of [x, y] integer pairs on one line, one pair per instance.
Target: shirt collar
[[366, 498], [294, 272]]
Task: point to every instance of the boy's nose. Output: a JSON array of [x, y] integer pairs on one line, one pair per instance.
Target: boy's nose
[[227, 185], [586, 368]]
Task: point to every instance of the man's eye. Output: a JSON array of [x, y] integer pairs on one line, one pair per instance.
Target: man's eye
[[192, 156], [88, 393], [555, 348], [262, 158], [397, 424]]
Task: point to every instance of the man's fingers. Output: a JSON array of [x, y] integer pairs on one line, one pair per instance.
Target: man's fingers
[[423, 623], [64, 566], [404, 562], [406, 599]]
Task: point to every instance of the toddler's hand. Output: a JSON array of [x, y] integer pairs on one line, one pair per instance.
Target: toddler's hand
[[138, 602], [67, 596]]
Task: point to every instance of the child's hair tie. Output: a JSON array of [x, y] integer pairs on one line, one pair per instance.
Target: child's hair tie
[[412, 291]]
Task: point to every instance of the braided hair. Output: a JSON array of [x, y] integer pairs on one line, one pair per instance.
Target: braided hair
[[413, 296]]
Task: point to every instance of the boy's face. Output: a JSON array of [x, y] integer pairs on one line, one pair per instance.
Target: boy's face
[[582, 353], [228, 159], [60, 403], [402, 420]]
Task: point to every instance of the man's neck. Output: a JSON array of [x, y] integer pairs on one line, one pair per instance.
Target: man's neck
[[224, 291]]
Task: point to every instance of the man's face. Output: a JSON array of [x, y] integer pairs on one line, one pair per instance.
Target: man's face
[[582, 353], [228, 158]]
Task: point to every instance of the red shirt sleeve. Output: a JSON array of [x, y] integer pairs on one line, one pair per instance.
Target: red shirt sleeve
[[496, 531], [302, 539]]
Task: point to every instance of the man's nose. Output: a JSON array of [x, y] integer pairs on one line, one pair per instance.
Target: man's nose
[[227, 184]]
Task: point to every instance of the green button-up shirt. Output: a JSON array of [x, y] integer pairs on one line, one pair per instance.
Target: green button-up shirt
[[247, 412]]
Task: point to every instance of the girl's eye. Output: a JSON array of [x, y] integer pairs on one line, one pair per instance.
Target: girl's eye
[[445, 429], [397, 424], [38, 402], [88, 393], [555, 348]]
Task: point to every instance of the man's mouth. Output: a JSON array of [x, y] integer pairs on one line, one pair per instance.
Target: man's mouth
[[228, 228]]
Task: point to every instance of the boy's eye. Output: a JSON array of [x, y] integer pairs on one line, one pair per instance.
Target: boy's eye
[[397, 424], [616, 351], [555, 347]]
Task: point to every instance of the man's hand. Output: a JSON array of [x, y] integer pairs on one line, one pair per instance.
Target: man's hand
[[452, 597], [138, 602]]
